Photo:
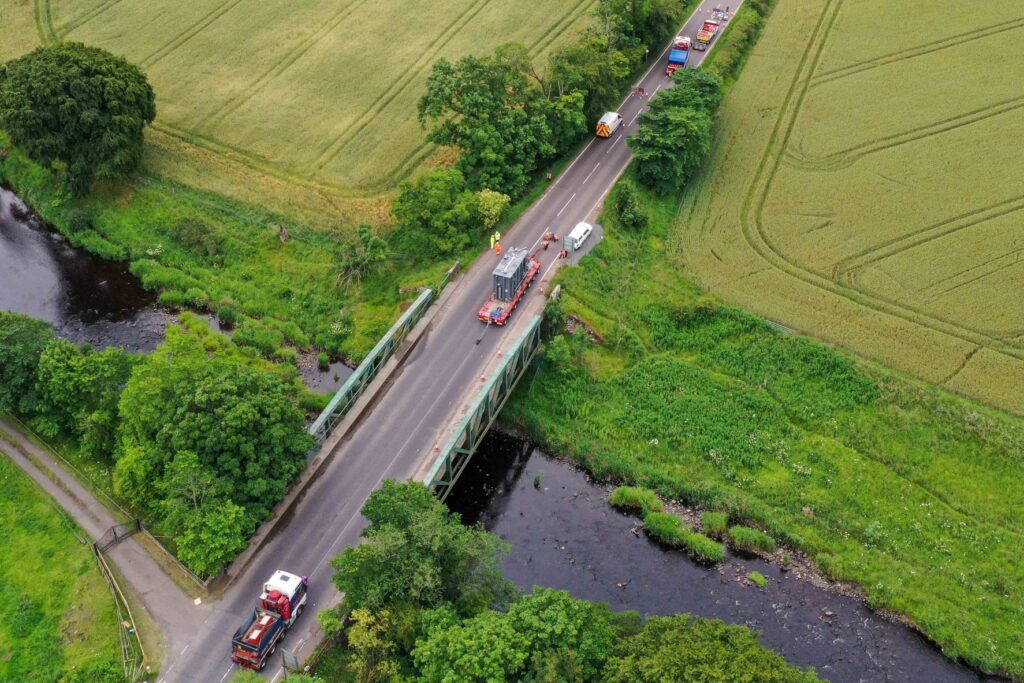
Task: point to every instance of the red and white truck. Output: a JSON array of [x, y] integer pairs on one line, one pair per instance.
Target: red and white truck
[[706, 34], [282, 600], [512, 278]]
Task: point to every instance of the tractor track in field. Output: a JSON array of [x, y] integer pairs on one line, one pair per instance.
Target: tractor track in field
[[232, 104], [752, 219], [188, 34], [43, 15], [334, 147], [897, 245], [847, 157], [989, 267], [61, 32], [917, 51]]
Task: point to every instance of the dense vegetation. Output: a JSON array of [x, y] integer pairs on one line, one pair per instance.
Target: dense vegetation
[[61, 615], [426, 602], [908, 491], [78, 109], [201, 438]]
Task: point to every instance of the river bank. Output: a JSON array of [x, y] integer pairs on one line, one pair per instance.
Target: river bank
[[564, 534]]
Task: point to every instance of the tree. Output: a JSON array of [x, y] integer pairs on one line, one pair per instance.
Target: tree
[[687, 650], [212, 536], [22, 342], [670, 144], [491, 206], [79, 390], [79, 106], [548, 635], [198, 393], [372, 652], [625, 201], [437, 213], [416, 552], [359, 256], [695, 88], [592, 67], [491, 109]]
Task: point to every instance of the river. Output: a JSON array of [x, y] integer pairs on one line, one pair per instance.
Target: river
[[565, 535], [88, 299]]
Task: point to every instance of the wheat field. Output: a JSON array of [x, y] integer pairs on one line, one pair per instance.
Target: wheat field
[[867, 187], [309, 104]]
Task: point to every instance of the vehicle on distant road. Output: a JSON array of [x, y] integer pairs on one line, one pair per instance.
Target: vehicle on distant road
[[677, 55], [280, 604], [706, 34], [608, 124], [512, 278], [579, 235]]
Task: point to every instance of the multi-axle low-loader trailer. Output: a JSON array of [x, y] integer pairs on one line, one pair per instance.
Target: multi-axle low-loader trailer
[[512, 278]]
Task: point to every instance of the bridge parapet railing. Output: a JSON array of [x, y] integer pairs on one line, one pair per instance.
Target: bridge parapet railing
[[452, 457], [354, 387]]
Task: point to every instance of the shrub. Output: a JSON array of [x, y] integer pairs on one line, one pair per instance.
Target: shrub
[[703, 548], [745, 538], [286, 355], [173, 299], [197, 236], [257, 335], [666, 528], [227, 315], [323, 361], [714, 523], [633, 498], [629, 211], [758, 579]]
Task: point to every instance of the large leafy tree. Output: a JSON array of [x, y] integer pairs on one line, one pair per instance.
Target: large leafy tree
[[670, 144], [687, 650], [77, 105], [592, 67], [417, 553], [547, 632], [22, 342], [79, 390], [493, 111], [437, 213]]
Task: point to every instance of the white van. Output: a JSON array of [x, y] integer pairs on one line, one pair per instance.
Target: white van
[[580, 234], [608, 124]]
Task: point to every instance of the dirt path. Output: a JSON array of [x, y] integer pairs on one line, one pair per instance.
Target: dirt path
[[173, 611]]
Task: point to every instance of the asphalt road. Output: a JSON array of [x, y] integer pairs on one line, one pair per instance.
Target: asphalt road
[[392, 441]]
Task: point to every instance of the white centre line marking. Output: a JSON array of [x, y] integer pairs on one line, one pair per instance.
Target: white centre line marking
[[186, 648], [548, 270], [278, 674], [566, 203], [592, 172], [227, 673], [658, 88], [613, 145], [634, 118]]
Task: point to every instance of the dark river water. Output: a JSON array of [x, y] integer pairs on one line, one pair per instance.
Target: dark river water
[[88, 299], [565, 535]]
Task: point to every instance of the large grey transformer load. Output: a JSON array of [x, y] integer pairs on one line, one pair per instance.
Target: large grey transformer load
[[509, 273]]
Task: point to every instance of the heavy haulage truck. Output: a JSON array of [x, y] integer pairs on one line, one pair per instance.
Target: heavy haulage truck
[[512, 278], [282, 600]]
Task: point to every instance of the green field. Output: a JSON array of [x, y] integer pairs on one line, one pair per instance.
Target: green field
[[307, 106], [866, 187], [60, 613]]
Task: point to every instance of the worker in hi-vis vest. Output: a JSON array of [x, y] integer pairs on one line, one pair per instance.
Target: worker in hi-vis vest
[[495, 239]]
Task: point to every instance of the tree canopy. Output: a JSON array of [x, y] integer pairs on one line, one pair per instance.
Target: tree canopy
[[498, 117], [687, 650], [22, 341], [209, 440], [416, 552], [548, 631], [78, 106]]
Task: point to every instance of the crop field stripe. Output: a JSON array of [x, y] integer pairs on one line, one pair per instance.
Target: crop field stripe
[[844, 158], [917, 51], [61, 31], [184, 36], [232, 104], [752, 210], [334, 147], [44, 22], [421, 151], [903, 243], [991, 266]]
